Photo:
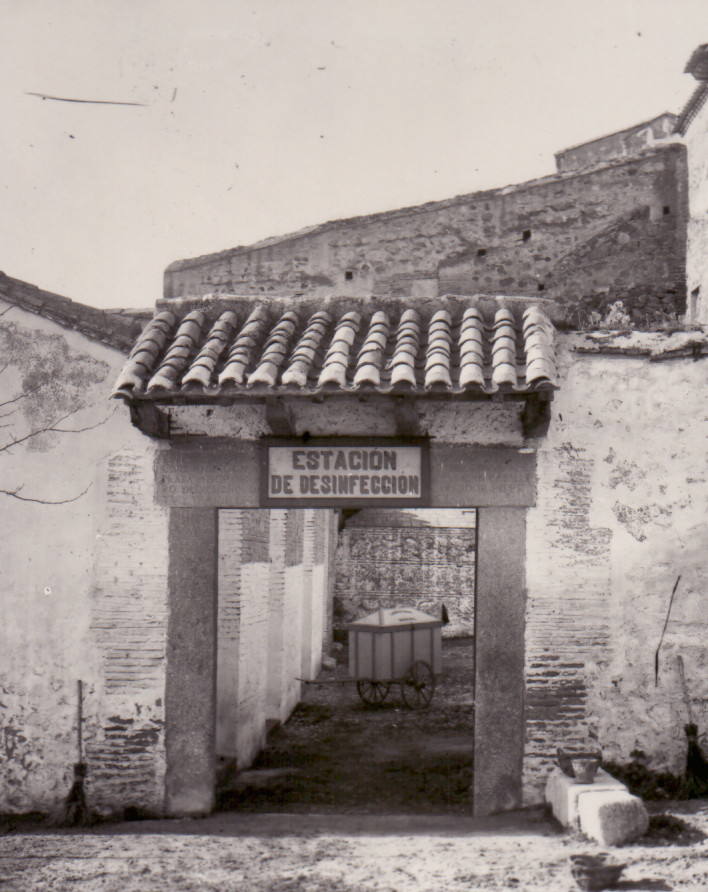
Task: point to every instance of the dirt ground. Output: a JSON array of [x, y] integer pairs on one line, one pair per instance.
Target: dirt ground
[[378, 802], [346, 756], [343, 853]]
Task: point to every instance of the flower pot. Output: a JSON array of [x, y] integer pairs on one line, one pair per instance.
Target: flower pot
[[566, 757], [585, 769]]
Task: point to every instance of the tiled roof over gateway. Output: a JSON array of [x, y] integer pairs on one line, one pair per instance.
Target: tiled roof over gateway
[[216, 347]]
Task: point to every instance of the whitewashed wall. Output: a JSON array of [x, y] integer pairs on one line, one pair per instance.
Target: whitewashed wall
[[621, 513], [82, 586], [273, 596]]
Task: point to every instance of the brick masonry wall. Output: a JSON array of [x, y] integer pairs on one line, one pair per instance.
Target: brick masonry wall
[[586, 239], [242, 633], [228, 631], [620, 514], [125, 740], [295, 596], [276, 630]]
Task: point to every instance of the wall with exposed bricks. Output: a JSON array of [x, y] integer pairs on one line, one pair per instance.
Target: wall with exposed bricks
[[620, 514], [125, 746], [588, 238], [83, 577], [620, 496]]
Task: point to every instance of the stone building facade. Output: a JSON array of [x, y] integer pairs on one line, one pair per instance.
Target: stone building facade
[[588, 237]]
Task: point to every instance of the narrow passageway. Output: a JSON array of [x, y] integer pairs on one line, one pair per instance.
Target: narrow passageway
[[337, 754]]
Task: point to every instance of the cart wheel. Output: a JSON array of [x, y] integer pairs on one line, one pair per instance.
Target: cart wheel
[[373, 692], [418, 686]]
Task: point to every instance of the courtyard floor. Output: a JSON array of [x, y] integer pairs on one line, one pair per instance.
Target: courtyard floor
[[343, 853], [369, 800], [339, 755]]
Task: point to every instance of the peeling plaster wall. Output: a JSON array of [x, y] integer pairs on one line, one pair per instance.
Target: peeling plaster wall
[[587, 239], [125, 745], [80, 598], [620, 514], [621, 495], [479, 423]]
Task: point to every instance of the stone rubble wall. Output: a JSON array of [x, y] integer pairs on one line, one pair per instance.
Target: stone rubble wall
[[586, 239], [384, 560]]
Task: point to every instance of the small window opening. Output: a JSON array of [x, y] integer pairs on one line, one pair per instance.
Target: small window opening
[[667, 210], [526, 234], [541, 286], [348, 275], [481, 252]]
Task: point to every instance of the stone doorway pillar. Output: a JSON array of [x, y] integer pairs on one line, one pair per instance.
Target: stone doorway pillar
[[500, 617], [190, 687]]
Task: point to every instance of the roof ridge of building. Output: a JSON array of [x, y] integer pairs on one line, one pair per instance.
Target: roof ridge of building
[[108, 328], [425, 207], [368, 304]]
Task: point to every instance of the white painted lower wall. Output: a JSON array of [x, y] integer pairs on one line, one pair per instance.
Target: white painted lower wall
[[270, 623]]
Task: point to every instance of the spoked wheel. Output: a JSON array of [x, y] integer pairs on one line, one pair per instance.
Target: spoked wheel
[[373, 692], [418, 686]]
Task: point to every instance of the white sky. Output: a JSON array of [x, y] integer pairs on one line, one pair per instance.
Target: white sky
[[262, 117]]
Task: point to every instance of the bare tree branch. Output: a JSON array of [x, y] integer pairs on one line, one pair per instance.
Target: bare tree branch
[[35, 433], [58, 430], [22, 395], [15, 494], [81, 430]]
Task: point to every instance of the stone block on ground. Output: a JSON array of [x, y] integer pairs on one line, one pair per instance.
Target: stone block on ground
[[612, 817], [563, 794], [604, 810]]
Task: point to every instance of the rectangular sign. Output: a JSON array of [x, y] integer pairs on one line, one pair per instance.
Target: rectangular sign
[[344, 473]]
